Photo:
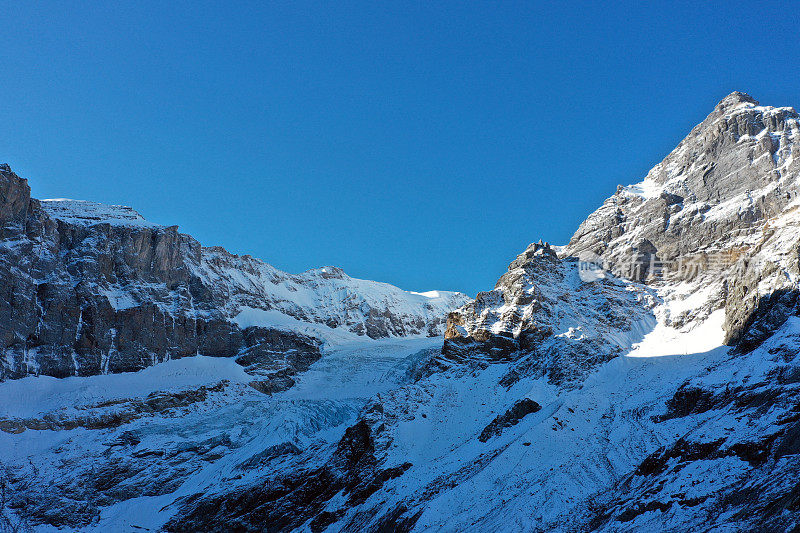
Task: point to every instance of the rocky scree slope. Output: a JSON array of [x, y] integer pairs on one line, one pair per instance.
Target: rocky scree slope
[[90, 289]]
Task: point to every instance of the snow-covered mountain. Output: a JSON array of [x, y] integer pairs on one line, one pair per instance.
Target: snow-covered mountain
[[95, 289], [642, 378]]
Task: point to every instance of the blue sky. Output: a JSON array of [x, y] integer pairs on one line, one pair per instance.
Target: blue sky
[[423, 144]]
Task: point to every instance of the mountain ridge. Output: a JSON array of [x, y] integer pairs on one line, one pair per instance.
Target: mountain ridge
[[91, 288]]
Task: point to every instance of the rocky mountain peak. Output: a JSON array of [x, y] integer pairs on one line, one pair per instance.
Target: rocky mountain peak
[[535, 252], [330, 272], [733, 171], [734, 99], [708, 208], [719, 208]]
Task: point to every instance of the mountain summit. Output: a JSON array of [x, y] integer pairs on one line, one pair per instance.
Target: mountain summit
[[734, 99]]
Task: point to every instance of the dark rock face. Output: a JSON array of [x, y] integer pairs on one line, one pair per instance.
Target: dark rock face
[[61, 287], [276, 355], [287, 502], [512, 417], [90, 289], [750, 323]]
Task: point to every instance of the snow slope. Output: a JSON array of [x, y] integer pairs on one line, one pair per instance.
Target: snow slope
[[188, 447]]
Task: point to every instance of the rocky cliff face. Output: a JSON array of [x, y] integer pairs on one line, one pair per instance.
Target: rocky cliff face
[[721, 206], [92, 289], [733, 172], [545, 319]]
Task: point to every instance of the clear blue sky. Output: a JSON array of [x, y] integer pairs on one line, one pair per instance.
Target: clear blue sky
[[419, 143]]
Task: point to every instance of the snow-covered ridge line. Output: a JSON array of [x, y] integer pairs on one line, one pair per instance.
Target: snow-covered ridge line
[[86, 212], [309, 294]]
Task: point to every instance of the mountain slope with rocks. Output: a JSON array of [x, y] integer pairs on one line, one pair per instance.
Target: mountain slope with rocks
[[93, 289], [643, 377]]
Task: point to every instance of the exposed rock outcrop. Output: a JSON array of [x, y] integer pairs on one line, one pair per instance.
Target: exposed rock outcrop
[[548, 318], [288, 502], [512, 417]]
